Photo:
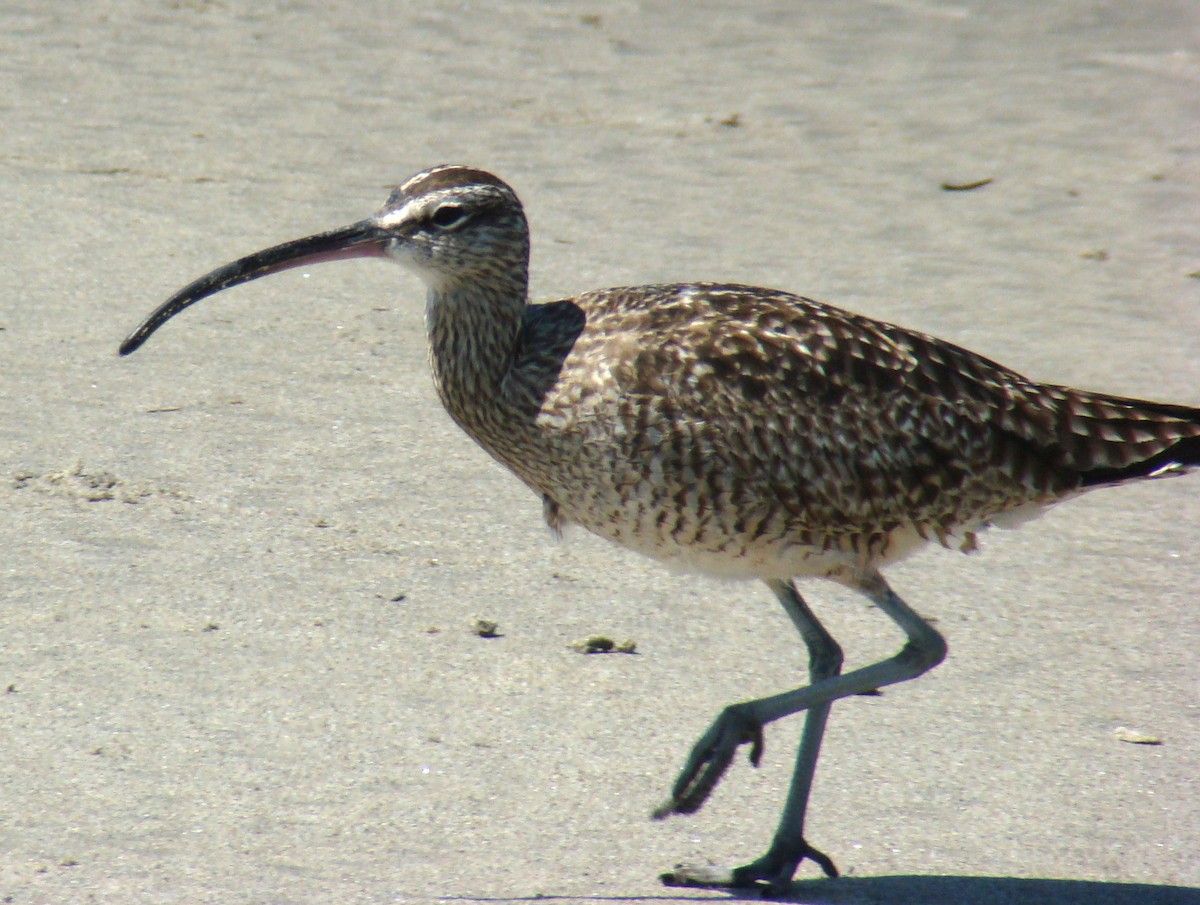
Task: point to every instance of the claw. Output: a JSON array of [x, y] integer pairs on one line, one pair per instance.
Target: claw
[[771, 874], [663, 811], [757, 745], [710, 759]]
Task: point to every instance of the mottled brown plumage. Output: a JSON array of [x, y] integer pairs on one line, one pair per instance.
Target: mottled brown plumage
[[735, 431]]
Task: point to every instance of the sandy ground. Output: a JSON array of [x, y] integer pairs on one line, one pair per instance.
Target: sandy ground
[[238, 570]]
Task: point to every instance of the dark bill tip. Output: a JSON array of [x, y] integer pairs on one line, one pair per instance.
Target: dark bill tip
[[359, 240]]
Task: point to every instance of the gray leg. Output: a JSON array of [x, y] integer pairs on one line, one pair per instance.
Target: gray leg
[[742, 723]]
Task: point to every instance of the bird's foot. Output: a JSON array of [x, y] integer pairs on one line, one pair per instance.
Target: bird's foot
[[771, 874], [710, 758]]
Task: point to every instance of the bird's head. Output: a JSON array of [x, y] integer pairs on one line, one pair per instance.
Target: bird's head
[[453, 226]]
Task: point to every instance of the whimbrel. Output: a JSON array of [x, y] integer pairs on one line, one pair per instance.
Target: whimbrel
[[734, 431]]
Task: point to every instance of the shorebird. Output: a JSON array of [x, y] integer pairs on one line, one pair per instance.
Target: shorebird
[[734, 431]]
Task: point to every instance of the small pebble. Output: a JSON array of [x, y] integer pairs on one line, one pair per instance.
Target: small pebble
[[966, 186], [601, 644], [485, 628], [1134, 737]]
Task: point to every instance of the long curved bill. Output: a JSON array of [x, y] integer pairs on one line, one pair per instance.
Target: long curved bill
[[364, 239]]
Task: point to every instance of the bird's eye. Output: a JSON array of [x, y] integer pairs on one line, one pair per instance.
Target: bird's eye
[[448, 216]]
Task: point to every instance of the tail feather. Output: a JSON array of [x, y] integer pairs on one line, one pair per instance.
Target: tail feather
[[1180, 458], [1113, 439]]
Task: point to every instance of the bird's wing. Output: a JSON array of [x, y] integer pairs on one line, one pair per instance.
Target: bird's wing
[[831, 408]]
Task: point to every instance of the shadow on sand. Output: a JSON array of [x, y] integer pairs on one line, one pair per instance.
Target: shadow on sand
[[935, 890], [918, 890]]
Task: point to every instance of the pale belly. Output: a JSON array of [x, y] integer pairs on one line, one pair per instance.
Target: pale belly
[[714, 550], [701, 514]]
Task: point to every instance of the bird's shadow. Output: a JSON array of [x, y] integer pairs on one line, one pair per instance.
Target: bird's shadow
[[960, 890], [916, 890]]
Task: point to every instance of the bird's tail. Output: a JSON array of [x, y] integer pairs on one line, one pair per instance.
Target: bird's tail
[[1111, 439]]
